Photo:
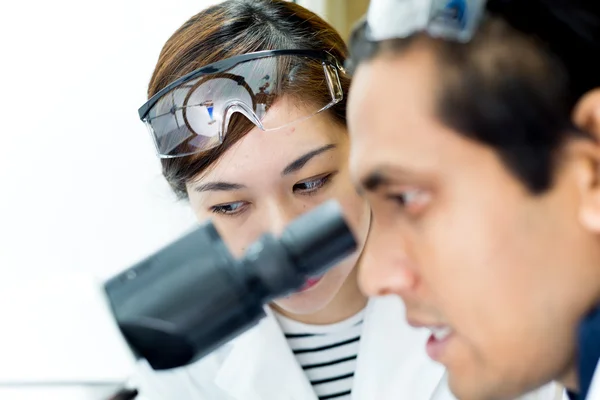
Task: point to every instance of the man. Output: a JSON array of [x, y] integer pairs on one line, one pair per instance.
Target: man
[[477, 146]]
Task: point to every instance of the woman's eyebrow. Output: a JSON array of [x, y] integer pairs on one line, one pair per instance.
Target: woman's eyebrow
[[218, 186], [292, 167], [302, 160]]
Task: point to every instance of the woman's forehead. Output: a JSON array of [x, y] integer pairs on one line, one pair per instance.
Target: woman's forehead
[[267, 153]]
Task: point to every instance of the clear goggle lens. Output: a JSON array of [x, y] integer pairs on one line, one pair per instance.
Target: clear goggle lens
[[195, 115]]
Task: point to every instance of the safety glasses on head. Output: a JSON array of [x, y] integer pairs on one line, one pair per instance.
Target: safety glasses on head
[[192, 114], [455, 20]]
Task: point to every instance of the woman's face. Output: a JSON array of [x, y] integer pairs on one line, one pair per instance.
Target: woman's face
[[267, 179]]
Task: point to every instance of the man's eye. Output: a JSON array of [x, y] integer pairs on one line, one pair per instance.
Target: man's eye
[[313, 185], [412, 200], [229, 208]]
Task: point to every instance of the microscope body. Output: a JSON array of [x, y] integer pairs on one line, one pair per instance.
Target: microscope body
[[68, 336]]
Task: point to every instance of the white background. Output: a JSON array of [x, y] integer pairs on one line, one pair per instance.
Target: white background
[[80, 186]]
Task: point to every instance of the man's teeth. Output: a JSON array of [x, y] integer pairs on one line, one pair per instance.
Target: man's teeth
[[441, 333]]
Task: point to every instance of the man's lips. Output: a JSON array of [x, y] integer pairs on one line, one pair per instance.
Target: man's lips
[[438, 341]]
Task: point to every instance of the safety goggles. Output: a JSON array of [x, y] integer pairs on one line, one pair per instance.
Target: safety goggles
[[453, 20], [192, 114]]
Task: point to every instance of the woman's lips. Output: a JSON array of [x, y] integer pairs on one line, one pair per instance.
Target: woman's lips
[[310, 282]]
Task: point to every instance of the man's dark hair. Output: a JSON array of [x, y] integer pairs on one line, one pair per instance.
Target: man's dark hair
[[514, 86]]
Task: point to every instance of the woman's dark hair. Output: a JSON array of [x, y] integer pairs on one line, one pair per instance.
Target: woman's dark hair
[[515, 85], [237, 27]]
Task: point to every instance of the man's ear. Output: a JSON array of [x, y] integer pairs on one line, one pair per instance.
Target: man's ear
[[586, 117]]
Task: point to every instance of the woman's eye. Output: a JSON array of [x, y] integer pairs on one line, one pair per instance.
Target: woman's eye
[[312, 185], [412, 200], [229, 208]]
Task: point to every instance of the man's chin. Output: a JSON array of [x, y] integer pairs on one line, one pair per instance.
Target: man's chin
[[476, 389], [470, 389]]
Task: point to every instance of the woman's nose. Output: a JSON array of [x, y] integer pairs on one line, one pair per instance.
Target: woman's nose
[[384, 267], [279, 215]]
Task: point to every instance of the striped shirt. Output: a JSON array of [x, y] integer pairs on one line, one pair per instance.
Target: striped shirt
[[326, 353]]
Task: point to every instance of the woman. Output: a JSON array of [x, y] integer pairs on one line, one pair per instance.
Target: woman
[[253, 140], [284, 150]]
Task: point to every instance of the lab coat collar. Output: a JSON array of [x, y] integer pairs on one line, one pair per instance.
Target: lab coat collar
[[261, 366], [392, 362], [594, 392], [589, 351]]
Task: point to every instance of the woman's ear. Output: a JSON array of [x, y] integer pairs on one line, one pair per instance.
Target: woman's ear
[[586, 117]]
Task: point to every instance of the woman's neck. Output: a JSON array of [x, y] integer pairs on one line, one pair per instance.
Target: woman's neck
[[348, 302]]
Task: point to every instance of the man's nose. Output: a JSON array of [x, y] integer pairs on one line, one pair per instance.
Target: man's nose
[[384, 266]]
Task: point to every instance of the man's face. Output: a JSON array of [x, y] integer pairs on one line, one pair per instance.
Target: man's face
[[493, 270]]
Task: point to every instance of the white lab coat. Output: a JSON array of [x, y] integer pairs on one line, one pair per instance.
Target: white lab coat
[[259, 365], [594, 392]]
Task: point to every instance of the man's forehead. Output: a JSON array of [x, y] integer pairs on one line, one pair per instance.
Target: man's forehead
[[406, 149], [389, 92], [393, 123], [389, 67]]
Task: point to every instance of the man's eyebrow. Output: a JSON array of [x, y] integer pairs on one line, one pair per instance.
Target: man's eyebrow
[[373, 181], [382, 176], [301, 161], [218, 186]]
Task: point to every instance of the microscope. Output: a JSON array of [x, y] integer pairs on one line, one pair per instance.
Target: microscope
[[68, 336]]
